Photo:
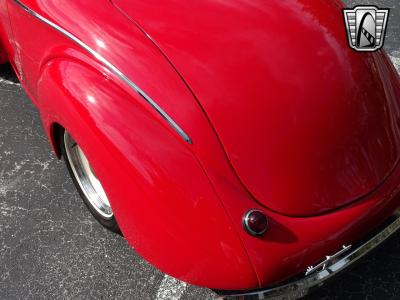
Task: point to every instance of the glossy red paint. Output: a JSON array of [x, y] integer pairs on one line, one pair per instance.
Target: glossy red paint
[[298, 112], [287, 129]]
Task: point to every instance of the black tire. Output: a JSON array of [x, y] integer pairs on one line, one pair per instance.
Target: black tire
[[109, 223]]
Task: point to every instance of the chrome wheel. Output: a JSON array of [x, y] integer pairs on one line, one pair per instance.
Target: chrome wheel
[[86, 178]]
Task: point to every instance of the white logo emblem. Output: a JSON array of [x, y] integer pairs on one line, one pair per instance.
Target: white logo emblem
[[366, 27]]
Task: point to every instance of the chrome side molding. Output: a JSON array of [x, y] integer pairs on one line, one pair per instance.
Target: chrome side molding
[[319, 274], [111, 67]]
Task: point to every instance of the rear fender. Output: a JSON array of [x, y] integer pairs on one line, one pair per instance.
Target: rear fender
[[162, 199]]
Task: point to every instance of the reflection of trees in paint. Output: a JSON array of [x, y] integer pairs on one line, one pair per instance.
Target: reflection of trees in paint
[[369, 34]]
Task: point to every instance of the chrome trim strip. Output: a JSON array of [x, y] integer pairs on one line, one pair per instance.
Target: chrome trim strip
[[111, 67], [300, 288]]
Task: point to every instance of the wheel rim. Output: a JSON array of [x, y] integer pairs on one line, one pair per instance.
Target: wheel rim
[[86, 178]]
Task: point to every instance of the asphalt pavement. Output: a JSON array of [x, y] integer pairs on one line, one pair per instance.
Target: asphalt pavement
[[52, 248]]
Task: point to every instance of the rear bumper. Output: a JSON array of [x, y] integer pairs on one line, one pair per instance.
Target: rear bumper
[[317, 275]]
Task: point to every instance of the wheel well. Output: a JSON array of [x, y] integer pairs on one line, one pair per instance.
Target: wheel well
[[56, 134]]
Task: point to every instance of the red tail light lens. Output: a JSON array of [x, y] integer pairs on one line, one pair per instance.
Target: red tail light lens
[[255, 222]]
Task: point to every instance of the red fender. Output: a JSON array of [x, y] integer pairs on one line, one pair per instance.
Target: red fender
[[161, 197]]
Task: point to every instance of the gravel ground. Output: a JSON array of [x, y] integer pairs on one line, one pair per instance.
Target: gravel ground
[[51, 248]]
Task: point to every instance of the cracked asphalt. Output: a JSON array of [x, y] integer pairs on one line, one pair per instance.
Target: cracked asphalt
[[52, 248]]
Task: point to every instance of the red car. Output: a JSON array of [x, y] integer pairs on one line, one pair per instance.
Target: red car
[[241, 146]]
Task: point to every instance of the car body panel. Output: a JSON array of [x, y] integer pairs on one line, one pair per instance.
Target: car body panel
[[303, 118], [179, 205], [153, 199]]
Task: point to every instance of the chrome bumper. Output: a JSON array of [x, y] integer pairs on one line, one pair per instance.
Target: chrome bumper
[[316, 276]]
